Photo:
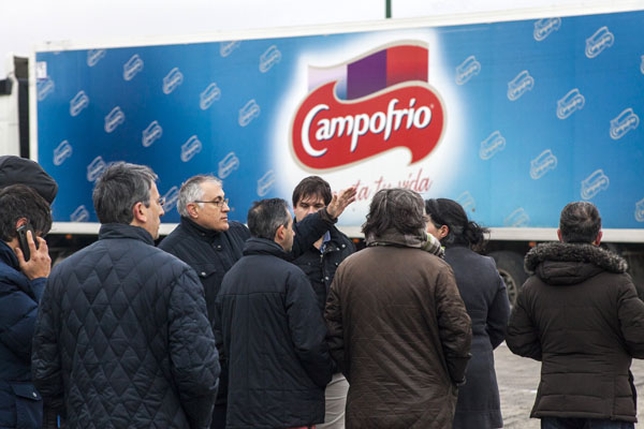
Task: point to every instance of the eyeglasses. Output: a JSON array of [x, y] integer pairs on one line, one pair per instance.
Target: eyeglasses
[[217, 202]]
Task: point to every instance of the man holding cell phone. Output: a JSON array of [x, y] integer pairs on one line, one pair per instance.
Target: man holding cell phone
[[25, 216]]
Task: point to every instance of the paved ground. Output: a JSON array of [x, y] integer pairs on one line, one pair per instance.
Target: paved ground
[[518, 379]]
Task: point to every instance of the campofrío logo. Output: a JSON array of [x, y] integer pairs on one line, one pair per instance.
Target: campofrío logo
[[368, 106]]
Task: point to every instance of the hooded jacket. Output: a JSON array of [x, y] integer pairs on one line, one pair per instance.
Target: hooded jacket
[[400, 332], [123, 337], [579, 315], [20, 402]]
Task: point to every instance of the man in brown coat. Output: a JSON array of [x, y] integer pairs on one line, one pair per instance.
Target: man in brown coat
[[579, 315], [398, 328]]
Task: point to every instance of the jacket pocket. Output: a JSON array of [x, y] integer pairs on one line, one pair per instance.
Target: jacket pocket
[[28, 406], [205, 270]]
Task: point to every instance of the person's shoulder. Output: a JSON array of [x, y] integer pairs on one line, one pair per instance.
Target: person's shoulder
[[168, 265], [238, 229], [158, 254], [175, 236], [75, 258], [10, 277]]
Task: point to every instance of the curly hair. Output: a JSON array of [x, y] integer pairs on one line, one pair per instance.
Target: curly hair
[[396, 209]]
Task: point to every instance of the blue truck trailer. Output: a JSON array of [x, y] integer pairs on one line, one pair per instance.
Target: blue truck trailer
[[512, 117]]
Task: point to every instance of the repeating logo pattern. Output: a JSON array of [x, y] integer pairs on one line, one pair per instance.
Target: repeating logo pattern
[[512, 137]]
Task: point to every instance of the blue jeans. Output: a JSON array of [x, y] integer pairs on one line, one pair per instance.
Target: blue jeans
[[576, 423]]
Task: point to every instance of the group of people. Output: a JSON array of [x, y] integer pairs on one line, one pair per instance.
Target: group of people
[[279, 323]]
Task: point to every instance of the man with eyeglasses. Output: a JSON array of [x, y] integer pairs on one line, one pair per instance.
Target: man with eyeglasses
[[211, 244]]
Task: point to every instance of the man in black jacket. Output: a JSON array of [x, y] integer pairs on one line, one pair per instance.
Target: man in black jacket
[[122, 337], [272, 330], [579, 315], [210, 243], [319, 262]]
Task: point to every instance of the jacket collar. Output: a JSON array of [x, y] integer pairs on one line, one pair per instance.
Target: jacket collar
[[394, 238], [121, 230], [198, 230], [262, 246], [575, 252], [8, 256]]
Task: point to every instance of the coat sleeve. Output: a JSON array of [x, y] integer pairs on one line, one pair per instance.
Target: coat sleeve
[[334, 323], [18, 315], [308, 331], [454, 325], [309, 230], [498, 314], [522, 337], [195, 362], [630, 311], [45, 360]]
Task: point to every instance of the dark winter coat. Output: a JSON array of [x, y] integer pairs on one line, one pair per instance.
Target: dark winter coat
[[399, 330], [20, 402], [320, 266], [274, 342], [123, 337], [211, 254], [579, 315], [486, 300]]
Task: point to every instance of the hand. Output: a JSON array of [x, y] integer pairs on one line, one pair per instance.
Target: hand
[[39, 264], [340, 201]]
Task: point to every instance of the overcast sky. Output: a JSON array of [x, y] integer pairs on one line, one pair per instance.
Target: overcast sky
[[26, 23]]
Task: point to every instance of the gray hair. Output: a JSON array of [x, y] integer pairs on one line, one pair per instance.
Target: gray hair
[[579, 222], [397, 209], [191, 191], [119, 188], [266, 216]]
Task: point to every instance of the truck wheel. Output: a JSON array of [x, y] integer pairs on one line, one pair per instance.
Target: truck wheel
[[510, 266]]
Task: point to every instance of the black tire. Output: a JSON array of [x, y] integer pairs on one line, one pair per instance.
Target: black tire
[[510, 266]]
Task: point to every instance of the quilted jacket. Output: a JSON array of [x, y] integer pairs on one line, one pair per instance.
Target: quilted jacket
[[123, 337], [274, 342], [399, 330], [579, 315], [20, 402]]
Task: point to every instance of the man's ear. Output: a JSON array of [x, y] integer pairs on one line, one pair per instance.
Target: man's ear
[[280, 234], [20, 222], [138, 213], [598, 240], [559, 235], [192, 210]]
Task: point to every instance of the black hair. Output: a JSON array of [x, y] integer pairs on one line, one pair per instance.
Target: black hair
[[312, 186], [462, 231], [579, 222], [22, 201], [266, 216]]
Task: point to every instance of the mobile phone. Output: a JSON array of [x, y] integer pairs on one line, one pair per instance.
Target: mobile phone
[[22, 239]]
